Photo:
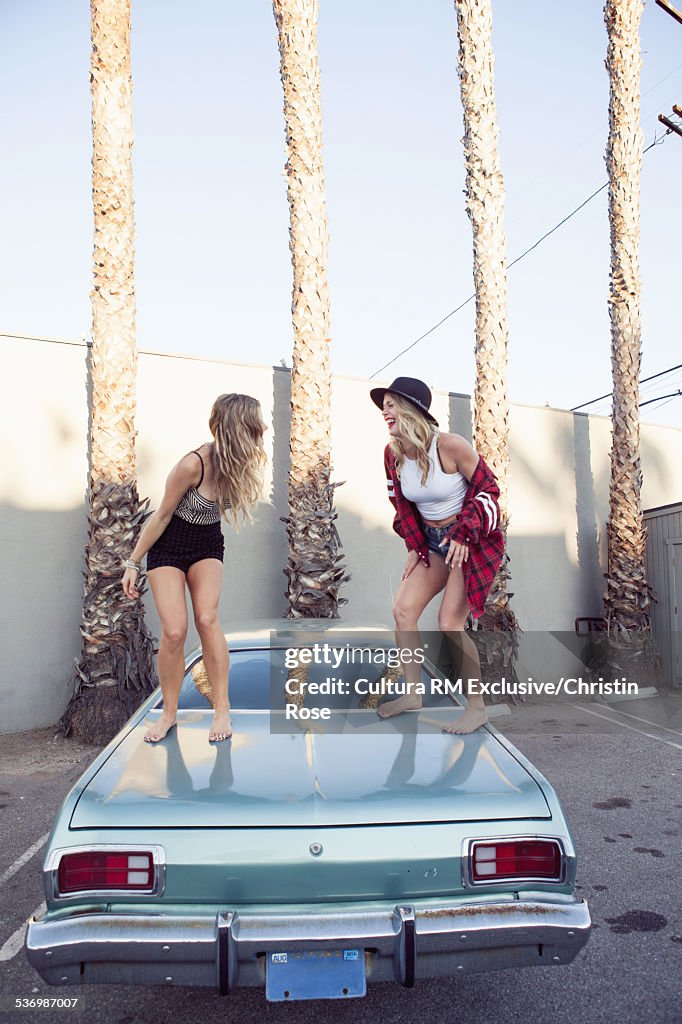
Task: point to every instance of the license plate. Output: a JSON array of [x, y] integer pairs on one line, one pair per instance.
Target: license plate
[[315, 974]]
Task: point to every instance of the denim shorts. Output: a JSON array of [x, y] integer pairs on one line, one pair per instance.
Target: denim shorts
[[434, 535]]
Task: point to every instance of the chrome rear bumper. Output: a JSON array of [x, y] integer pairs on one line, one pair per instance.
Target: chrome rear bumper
[[228, 949]]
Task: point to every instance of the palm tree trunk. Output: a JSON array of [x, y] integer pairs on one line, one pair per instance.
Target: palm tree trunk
[[629, 649], [485, 208], [314, 569], [627, 596], [116, 667]]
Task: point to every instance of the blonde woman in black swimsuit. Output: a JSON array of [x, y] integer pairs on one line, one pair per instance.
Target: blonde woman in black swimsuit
[[184, 545]]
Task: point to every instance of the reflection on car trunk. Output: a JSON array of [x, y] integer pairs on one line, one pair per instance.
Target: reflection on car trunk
[[401, 773]]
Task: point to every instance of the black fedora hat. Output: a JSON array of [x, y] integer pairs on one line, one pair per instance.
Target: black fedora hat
[[415, 391]]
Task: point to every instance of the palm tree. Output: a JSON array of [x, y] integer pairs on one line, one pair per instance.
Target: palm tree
[[314, 569], [116, 666], [628, 597], [485, 208]]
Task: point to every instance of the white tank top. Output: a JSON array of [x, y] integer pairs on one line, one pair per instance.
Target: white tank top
[[443, 493]]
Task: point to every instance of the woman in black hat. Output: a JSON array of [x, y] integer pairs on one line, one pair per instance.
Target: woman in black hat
[[445, 498]]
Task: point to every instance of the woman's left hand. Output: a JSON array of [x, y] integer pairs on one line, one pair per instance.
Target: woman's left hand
[[129, 581], [457, 554]]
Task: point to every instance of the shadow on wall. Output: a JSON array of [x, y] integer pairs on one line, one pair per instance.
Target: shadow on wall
[[44, 552], [281, 429], [460, 416], [553, 483], [591, 578], [44, 600], [41, 594], [557, 586]]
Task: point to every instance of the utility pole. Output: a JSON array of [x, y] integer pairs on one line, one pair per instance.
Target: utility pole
[[672, 126]]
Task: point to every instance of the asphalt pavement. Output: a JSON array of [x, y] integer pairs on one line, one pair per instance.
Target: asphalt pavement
[[618, 771]]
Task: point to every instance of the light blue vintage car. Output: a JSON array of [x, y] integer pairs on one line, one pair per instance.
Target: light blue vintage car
[[317, 850]]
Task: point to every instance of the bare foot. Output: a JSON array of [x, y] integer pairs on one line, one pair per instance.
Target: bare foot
[[158, 729], [408, 702], [472, 719], [221, 727]]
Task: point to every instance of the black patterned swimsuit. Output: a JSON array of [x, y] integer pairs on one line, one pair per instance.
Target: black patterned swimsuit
[[193, 533]]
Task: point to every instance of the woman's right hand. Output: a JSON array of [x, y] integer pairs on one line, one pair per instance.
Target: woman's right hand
[[410, 564], [129, 583]]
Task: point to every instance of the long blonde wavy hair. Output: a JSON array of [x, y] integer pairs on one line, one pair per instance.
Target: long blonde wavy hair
[[416, 430], [236, 422]]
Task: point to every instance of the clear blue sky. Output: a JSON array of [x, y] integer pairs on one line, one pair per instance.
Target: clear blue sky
[[213, 265]]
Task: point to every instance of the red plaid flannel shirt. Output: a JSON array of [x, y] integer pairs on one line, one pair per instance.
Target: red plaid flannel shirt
[[476, 525]]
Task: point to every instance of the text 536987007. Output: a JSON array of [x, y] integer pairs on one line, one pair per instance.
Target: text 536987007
[[34, 1002]]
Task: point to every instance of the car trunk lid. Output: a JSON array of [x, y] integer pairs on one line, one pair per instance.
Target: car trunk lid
[[375, 772]]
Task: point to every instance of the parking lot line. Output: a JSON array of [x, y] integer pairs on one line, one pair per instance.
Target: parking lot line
[[25, 857], [16, 940], [624, 725], [637, 718]]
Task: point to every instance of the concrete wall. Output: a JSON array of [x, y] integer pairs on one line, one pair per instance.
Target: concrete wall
[[558, 504]]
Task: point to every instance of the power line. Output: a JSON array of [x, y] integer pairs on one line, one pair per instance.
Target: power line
[[604, 408], [664, 399], [673, 382], [644, 380], [377, 312], [674, 394], [672, 11], [672, 399], [656, 142], [473, 296]]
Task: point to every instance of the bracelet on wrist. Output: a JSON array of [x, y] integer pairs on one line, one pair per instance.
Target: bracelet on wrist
[[130, 564]]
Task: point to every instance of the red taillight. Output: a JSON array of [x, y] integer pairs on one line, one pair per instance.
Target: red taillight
[[130, 870], [516, 858]]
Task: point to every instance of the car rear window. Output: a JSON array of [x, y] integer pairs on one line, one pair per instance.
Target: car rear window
[[249, 682], [258, 681]]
